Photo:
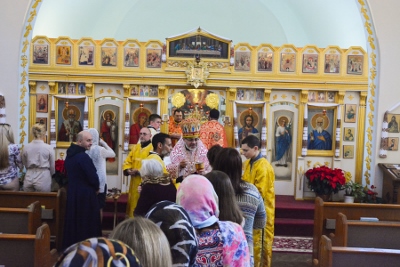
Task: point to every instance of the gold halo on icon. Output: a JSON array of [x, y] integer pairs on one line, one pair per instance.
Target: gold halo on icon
[[317, 116], [75, 109], [281, 119], [109, 111], [137, 112], [253, 114]]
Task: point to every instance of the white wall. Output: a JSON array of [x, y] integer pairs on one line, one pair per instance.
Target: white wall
[[12, 18]]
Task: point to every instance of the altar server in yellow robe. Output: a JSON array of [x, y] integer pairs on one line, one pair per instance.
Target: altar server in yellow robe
[[258, 171], [133, 163]]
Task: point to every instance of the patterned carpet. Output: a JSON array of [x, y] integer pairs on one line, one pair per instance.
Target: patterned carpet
[[292, 244]]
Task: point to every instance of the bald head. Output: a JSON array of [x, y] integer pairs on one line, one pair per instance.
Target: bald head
[[145, 135], [84, 139]]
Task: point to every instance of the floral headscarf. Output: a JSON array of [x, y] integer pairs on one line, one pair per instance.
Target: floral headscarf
[[174, 221], [98, 252], [197, 196]]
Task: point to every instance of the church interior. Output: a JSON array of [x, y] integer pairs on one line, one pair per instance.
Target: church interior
[[313, 80]]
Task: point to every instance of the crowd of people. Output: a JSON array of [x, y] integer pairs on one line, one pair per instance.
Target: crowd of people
[[193, 203]]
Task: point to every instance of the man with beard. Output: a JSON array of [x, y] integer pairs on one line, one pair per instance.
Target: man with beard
[[162, 146], [248, 128], [69, 128], [174, 128], [188, 151], [133, 163], [319, 139]]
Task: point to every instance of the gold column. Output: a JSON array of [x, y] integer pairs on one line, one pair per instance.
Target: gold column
[[127, 88], [32, 107], [230, 98], [360, 136], [302, 123], [90, 99], [163, 96]]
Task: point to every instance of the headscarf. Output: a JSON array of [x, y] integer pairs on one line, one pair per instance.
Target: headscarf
[[174, 221], [197, 196], [94, 151], [98, 252]]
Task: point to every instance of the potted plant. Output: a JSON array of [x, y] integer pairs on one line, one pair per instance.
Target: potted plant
[[353, 191], [324, 181]]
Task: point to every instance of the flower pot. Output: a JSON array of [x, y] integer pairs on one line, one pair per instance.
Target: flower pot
[[348, 199], [325, 197]]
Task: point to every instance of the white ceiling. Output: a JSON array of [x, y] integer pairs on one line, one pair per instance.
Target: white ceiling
[[276, 22]]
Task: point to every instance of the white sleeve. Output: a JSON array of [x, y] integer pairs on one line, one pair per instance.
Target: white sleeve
[[106, 151]]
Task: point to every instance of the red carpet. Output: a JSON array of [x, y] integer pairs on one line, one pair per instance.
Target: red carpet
[[293, 217]]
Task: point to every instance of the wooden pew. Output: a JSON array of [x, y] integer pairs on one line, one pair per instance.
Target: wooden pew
[[382, 234], [21, 220], [53, 214], [353, 211], [331, 256]]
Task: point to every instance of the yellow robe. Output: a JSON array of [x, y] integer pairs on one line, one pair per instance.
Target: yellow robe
[[158, 158], [134, 161], [262, 175]]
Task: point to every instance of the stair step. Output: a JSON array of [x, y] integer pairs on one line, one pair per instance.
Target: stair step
[[294, 227]]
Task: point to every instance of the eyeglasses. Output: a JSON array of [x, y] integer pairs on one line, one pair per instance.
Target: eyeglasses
[[191, 140]]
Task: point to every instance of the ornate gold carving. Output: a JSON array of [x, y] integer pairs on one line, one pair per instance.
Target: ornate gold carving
[[284, 96], [294, 98], [32, 86], [109, 91], [341, 95], [308, 163], [363, 98], [24, 61], [212, 100], [274, 97], [52, 87], [197, 73], [267, 95], [178, 99], [127, 89], [177, 64], [42, 87], [350, 97], [118, 91], [89, 87], [101, 91], [304, 96]]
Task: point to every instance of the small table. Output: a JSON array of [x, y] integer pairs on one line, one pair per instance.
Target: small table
[[114, 194]]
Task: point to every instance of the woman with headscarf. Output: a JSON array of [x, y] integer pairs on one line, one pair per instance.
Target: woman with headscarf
[[38, 159], [99, 152], [10, 159], [174, 221], [99, 252], [155, 187], [228, 246]]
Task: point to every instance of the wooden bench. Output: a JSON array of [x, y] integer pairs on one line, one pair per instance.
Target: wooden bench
[[27, 250], [329, 210], [355, 233], [331, 256], [53, 214], [21, 220]]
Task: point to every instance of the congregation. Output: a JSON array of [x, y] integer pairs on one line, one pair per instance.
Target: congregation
[[192, 201]]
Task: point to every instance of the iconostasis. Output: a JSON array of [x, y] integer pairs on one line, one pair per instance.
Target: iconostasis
[[307, 105]]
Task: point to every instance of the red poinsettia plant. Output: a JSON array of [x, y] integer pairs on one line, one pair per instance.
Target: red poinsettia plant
[[60, 176], [324, 180]]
